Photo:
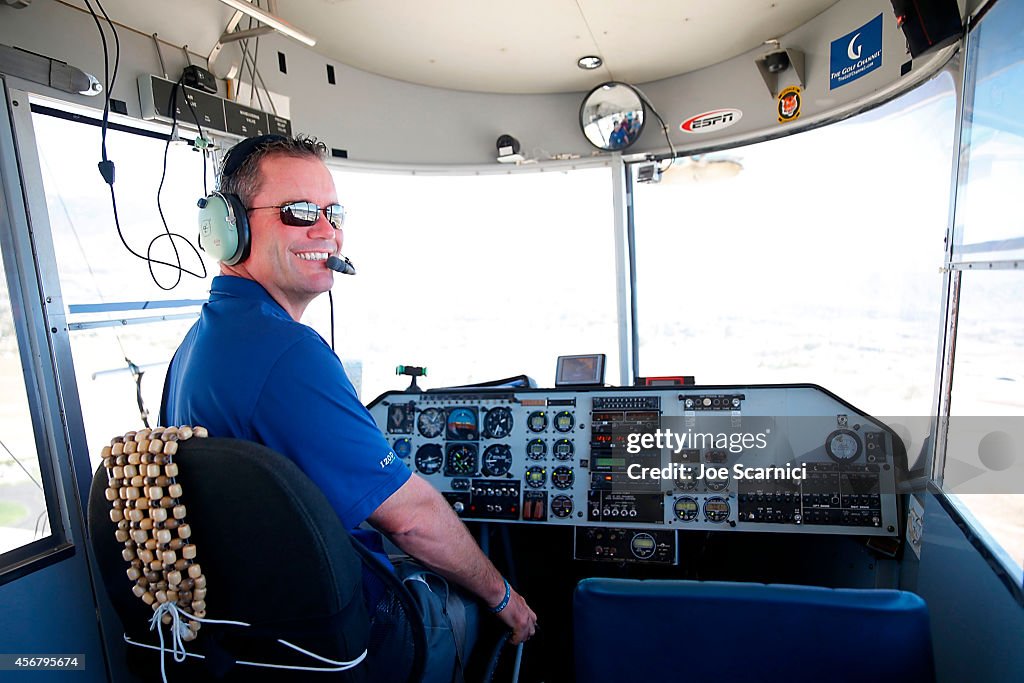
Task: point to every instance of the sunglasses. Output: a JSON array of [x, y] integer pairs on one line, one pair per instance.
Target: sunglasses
[[305, 214]]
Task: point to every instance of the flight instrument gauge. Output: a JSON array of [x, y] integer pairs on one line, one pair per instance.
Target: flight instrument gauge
[[563, 449], [843, 446], [564, 421], [498, 423], [536, 477], [716, 509], [686, 508], [431, 422], [536, 449], [561, 506], [403, 448], [643, 546], [460, 460], [497, 460], [538, 421], [428, 458], [563, 477]]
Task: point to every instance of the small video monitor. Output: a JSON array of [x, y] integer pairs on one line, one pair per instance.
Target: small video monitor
[[585, 370]]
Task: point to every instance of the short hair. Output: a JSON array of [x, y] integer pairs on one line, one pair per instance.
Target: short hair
[[241, 177]]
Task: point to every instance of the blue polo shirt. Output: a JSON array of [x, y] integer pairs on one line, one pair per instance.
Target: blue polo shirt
[[247, 370]]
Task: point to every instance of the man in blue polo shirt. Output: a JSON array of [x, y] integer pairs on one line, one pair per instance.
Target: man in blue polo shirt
[[250, 370]]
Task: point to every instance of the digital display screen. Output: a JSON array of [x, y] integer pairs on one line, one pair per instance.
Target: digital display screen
[[580, 370], [400, 418]]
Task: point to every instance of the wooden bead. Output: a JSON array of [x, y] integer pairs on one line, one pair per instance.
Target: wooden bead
[[148, 598], [120, 460], [200, 582], [146, 555], [138, 590], [123, 526], [138, 481], [150, 543], [158, 514], [146, 523], [110, 494], [185, 598], [201, 614], [198, 605], [188, 636], [163, 536], [130, 436], [132, 449], [121, 535], [184, 531], [189, 552], [143, 445], [156, 446], [116, 515], [174, 578], [169, 557], [185, 433], [142, 434], [133, 573], [195, 571], [187, 583], [159, 459], [172, 595], [161, 596], [155, 493], [162, 480], [128, 554], [106, 452], [118, 504], [176, 544], [174, 490], [171, 469], [108, 461], [152, 577], [199, 594], [142, 504], [170, 447], [172, 524], [156, 566], [153, 470], [200, 432], [166, 502], [179, 512], [181, 565], [139, 536], [136, 515], [166, 618], [117, 449]]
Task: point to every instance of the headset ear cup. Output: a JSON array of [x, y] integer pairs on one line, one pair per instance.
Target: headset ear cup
[[241, 228], [224, 228]]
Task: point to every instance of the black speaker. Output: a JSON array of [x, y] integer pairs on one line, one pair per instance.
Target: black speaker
[[928, 24]]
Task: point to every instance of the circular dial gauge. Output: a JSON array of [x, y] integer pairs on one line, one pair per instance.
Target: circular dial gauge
[[538, 421], [536, 476], [563, 477], [716, 509], [498, 423], [460, 460], [716, 484], [561, 506], [643, 546], [686, 508], [536, 449], [403, 447], [428, 458], [430, 422], [497, 460], [564, 421], [563, 449], [843, 446]]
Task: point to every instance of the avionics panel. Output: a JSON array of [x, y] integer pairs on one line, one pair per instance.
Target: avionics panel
[[739, 458]]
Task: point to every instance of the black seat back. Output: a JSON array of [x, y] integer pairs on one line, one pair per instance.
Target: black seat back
[[276, 556]]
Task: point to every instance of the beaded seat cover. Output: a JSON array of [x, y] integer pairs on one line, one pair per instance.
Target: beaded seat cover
[[146, 506]]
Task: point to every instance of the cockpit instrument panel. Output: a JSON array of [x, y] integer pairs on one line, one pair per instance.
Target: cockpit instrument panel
[[778, 458]]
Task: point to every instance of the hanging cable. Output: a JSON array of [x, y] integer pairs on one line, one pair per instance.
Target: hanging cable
[[137, 374], [664, 126], [107, 170], [330, 300]]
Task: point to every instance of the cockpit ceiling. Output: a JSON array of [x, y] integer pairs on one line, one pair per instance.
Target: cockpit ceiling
[[532, 46]]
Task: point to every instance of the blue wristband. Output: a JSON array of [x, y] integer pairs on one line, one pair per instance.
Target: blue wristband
[[504, 601]]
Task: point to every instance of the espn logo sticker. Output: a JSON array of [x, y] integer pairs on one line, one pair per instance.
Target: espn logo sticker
[[711, 121]]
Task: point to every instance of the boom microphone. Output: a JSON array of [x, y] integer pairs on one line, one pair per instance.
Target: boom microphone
[[341, 265]]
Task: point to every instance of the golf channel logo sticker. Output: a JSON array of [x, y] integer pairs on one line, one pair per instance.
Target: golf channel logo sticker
[[711, 120], [856, 54]]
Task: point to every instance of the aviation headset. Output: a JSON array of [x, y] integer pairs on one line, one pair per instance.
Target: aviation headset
[[223, 222]]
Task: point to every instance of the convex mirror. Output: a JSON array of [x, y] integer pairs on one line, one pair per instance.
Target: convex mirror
[[612, 116]]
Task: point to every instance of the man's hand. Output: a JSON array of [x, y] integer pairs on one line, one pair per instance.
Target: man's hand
[[519, 617]]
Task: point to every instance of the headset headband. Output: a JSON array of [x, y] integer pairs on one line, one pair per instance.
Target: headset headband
[[244, 149]]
